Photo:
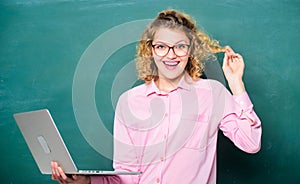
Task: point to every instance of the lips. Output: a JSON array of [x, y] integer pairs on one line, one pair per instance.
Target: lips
[[171, 65]]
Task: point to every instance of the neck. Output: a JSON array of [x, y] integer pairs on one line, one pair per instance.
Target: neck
[[167, 85]]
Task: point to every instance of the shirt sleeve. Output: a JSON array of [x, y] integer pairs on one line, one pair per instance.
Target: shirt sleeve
[[125, 156], [105, 180], [240, 123], [125, 152]]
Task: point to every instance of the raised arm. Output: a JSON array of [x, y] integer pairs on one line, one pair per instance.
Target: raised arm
[[233, 68], [240, 123]]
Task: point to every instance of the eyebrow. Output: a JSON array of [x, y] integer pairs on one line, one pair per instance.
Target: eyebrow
[[166, 43]]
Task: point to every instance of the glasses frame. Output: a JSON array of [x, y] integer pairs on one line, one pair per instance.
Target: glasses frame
[[169, 48]]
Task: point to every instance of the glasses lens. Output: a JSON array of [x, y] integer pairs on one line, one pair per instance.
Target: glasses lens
[[160, 49], [179, 50]]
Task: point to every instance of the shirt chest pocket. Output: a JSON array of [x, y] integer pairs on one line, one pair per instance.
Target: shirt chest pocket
[[199, 138]]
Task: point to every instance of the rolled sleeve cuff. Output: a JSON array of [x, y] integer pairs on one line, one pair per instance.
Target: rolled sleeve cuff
[[245, 107], [244, 101]]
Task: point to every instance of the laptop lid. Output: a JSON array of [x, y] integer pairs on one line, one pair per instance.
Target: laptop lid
[[46, 143]]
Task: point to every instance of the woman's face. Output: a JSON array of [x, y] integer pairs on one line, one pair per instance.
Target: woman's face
[[170, 50]]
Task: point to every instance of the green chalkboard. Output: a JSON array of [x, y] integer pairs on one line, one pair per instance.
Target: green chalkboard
[[76, 57]]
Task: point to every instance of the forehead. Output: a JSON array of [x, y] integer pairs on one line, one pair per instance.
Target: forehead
[[168, 35]]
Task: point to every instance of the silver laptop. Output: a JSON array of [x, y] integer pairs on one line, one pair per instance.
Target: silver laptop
[[46, 144]]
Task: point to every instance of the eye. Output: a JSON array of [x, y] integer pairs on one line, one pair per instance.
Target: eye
[[160, 47], [182, 46]]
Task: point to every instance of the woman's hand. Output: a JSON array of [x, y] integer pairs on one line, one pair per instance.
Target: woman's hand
[[59, 175], [233, 68]]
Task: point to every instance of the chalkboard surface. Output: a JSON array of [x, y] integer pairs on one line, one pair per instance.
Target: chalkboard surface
[[76, 57]]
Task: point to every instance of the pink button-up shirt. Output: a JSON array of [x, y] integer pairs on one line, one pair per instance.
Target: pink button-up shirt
[[172, 137]]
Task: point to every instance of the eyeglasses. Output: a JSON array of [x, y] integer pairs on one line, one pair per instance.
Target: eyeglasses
[[179, 50]]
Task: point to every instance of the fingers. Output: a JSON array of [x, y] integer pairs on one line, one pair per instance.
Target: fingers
[[233, 64], [231, 57], [229, 49], [54, 173], [58, 174], [62, 173], [234, 59], [231, 54], [74, 176]]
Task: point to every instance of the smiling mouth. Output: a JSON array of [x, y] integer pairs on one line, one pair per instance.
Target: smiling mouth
[[171, 63]]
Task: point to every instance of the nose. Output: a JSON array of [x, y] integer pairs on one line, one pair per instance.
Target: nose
[[171, 54]]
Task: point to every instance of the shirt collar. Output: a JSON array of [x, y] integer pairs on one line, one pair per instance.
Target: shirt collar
[[184, 83]]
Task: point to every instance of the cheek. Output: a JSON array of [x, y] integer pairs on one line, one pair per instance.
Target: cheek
[[157, 59], [184, 60]]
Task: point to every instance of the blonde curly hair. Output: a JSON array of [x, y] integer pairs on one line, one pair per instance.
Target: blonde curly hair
[[201, 48]]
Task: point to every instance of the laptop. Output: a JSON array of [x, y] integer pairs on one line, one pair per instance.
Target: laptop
[[46, 144]]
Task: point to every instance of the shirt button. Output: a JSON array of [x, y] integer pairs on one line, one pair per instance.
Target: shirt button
[[157, 180], [161, 158]]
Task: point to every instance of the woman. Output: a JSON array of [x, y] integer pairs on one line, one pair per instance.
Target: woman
[[167, 128]]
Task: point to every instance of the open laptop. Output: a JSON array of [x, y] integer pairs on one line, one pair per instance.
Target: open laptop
[[46, 144]]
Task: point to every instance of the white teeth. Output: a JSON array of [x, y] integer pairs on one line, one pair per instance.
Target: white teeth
[[171, 63]]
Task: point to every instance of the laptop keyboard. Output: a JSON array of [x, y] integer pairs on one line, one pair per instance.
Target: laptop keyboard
[[90, 172]]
